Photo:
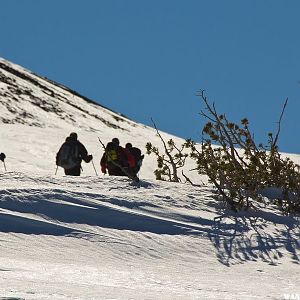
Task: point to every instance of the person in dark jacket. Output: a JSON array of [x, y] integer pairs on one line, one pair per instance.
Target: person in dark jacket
[[138, 157], [71, 154], [115, 160], [2, 156]]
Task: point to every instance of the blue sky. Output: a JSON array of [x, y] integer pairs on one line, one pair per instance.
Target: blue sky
[[147, 59]]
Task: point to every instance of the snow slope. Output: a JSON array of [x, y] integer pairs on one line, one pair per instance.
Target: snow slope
[[101, 237], [104, 238], [37, 111]]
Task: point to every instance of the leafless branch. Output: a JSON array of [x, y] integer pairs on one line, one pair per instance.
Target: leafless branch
[[279, 123]]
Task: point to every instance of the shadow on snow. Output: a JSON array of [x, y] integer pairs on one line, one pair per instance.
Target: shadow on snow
[[60, 210], [247, 238], [237, 237]]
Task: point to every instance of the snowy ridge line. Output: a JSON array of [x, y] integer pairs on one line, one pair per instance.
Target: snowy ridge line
[[27, 75], [50, 97]]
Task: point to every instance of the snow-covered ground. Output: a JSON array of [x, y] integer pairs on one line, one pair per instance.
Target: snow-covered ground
[[105, 238], [102, 237]]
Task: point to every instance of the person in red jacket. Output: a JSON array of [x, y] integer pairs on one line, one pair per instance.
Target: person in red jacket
[[138, 157]]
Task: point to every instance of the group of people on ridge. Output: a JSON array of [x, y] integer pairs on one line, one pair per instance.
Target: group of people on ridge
[[116, 160]]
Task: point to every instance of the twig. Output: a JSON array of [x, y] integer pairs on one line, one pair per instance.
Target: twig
[[279, 122], [94, 168], [4, 166]]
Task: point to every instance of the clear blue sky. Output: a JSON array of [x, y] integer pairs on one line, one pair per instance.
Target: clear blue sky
[[148, 58]]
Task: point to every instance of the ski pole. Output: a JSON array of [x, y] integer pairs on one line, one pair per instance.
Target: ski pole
[[4, 166], [94, 168], [102, 144], [56, 170]]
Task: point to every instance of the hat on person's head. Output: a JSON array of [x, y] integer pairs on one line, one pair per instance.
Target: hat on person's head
[[73, 135], [128, 145], [116, 141]]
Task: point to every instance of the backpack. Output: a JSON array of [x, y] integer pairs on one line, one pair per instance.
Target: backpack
[[68, 156], [111, 152], [137, 153], [130, 160]]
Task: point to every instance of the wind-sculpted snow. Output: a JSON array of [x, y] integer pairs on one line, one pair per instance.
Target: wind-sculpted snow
[[176, 235], [68, 208]]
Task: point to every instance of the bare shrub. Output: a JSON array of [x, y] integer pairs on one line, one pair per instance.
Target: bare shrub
[[239, 168]]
